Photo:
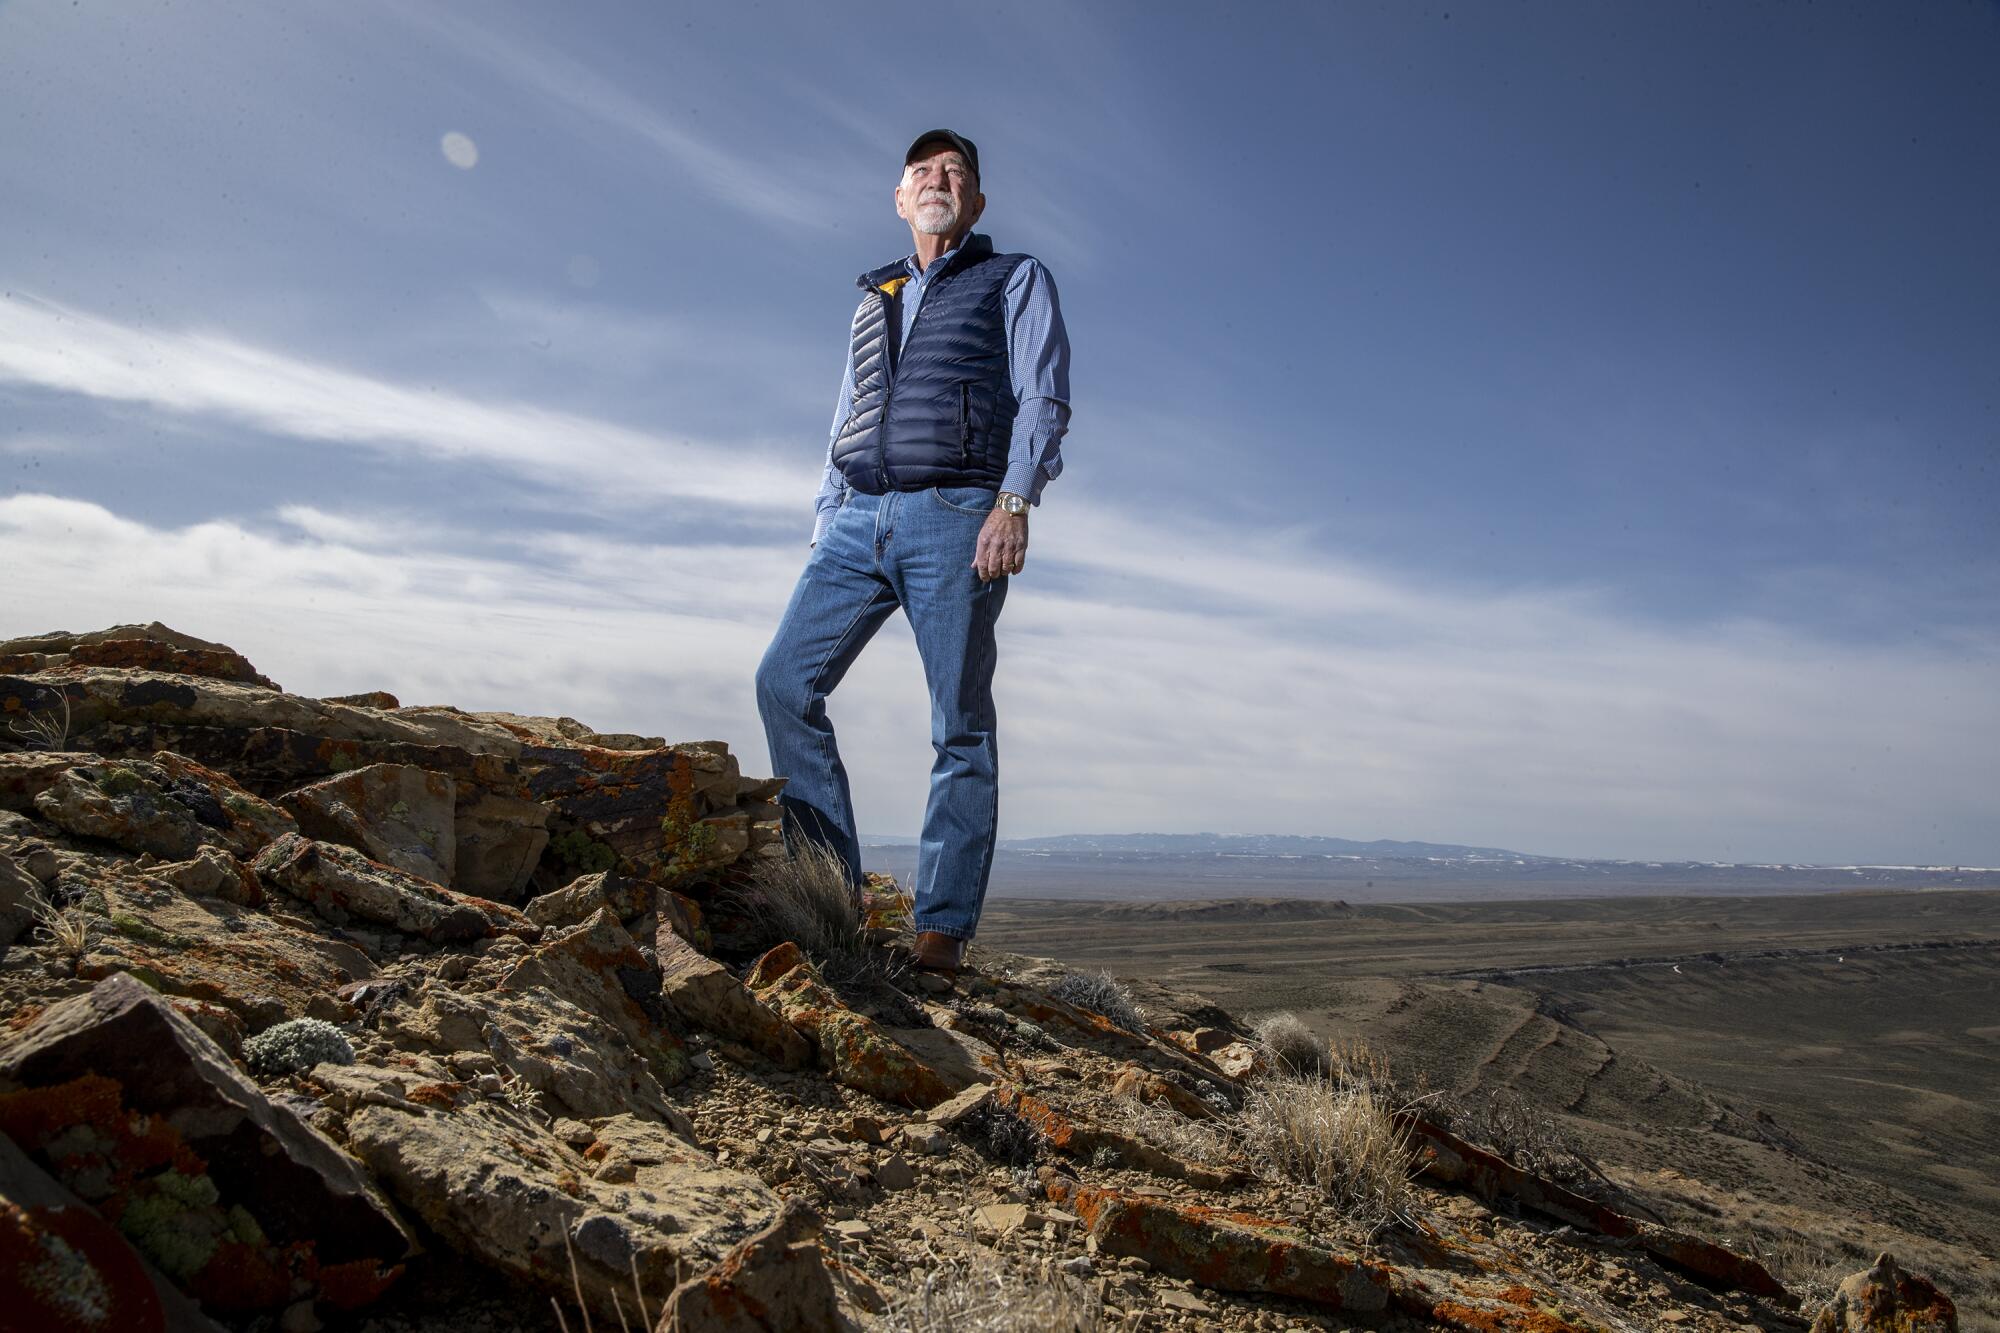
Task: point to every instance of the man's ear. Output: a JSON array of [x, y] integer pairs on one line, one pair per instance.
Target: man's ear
[[978, 208]]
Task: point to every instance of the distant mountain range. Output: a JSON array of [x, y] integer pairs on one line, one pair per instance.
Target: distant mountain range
[[1253, 844], [1237, 844]]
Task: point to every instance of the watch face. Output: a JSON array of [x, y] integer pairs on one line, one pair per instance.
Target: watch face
[[1014, 504]]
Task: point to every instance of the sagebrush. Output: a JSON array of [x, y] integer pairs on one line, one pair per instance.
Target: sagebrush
[[1291, 1046], [1101, 993], [1335, 1133], [983, 1293]]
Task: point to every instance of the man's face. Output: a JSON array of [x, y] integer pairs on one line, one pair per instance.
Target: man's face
[[938, 194]]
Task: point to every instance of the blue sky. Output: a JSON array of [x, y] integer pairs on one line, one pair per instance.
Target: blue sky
[[1568, 427]]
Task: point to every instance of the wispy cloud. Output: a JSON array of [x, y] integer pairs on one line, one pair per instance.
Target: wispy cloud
[[195, 372], [1543, 722]]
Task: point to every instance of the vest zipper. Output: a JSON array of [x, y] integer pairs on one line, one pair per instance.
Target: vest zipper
[[964, 425], [891, 353]]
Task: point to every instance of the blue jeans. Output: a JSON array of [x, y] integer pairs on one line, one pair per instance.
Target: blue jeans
[[911, 549]]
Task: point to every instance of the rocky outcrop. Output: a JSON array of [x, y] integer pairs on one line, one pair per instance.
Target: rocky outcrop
[[568, 1066], [1887, 1299]]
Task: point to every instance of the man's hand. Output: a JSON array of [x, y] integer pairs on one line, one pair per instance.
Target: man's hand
[[1003, 545]]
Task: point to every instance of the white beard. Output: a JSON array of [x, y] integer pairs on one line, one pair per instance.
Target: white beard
[[937, 217]]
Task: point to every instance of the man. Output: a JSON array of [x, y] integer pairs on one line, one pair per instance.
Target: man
[[949, 423]]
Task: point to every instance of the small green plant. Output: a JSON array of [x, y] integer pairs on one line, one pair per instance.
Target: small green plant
[[298, 1044], [118, 780], [581, 854], [689, 842]]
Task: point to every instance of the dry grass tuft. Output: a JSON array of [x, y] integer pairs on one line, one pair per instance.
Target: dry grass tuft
[[1810, 1268], [43, 731], [804, 896], [1291, 1045], [1203, 1141], [984, 1293], [1334, 1133], [67, 929], [1101, 993]]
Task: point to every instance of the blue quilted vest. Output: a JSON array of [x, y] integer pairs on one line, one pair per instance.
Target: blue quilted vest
[[940, 410]]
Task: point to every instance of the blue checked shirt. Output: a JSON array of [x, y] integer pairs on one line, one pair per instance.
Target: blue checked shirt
[[1038, 352]]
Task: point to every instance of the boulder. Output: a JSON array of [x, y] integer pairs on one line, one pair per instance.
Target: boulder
[[213, 873], [502, 1188], [234, 1197], [703, 992], [252, 823], [853, 1048], [597, 967], [774, 1282], [397, 814], [1887, 1299], [168, 806], [132, 806], [497, 843], [341, 885], [64, 1267], [587, 895]]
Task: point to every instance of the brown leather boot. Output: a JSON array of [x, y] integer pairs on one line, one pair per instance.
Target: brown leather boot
[[939, 953]]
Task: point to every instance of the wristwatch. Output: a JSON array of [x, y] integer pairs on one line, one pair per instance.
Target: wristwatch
[[1011, 503]]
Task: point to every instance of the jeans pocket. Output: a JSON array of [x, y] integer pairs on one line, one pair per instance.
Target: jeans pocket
[[967, 499]]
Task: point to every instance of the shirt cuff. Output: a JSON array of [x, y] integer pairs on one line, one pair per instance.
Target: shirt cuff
[[821, 520], [1024, 479]]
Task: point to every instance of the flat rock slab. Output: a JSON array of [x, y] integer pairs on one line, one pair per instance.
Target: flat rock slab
[[342, 885], [233, 1197], [168, 806], [504, 1189], [1226, 1251], [262, 968]]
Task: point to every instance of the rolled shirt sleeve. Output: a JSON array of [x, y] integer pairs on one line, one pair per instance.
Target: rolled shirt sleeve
[[1038, 349]]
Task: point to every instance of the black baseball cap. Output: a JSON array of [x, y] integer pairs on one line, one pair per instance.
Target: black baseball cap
[[965, 146]]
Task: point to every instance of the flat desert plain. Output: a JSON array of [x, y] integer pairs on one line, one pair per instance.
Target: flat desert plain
[[1812, 1076]]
